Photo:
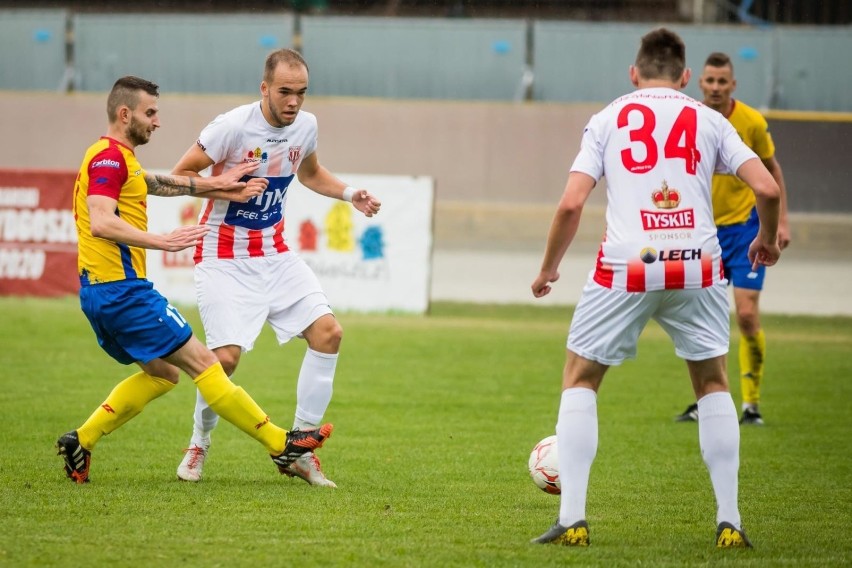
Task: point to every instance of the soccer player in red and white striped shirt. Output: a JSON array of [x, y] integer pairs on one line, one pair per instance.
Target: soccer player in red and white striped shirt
[[245, 273], [660, 259]]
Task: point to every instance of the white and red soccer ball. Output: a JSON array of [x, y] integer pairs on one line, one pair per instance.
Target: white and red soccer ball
[[544, 466]]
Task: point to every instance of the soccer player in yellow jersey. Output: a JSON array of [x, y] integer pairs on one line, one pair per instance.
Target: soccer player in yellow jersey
[[736, 220], [132, 321]]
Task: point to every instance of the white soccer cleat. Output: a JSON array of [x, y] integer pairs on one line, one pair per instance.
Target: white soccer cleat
[[192, 463], [307, 467]]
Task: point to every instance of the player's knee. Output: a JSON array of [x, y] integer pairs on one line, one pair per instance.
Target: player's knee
[[748, 321], [171, 374], [163, 370], [229, 359], [326, 335], [335, 335]]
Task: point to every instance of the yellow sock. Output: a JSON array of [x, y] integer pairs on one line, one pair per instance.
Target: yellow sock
[[236, 406], [752, 355], [126, 400]]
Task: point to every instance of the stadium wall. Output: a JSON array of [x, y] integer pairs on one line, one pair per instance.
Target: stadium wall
[[781, 67], [499, 168]]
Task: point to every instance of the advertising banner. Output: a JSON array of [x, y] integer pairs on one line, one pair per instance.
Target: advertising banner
[[38, 240], [377, 264]]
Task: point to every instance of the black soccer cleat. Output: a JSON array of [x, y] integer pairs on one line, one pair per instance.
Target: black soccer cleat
[[729, 536], [300, 442], [76, 457], [689, 415], [575, 535], [751, 416]]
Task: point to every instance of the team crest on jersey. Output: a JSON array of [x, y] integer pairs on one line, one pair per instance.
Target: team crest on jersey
[[256, 155], [294, 154]]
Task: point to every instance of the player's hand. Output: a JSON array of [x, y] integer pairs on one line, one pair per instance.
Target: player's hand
[[184, 237], [783, 235], [366, 203], [251, 189], [541, 285], [762, 253], [230, 180]]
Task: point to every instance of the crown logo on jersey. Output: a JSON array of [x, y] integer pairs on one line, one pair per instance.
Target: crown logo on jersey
[[665, 198]]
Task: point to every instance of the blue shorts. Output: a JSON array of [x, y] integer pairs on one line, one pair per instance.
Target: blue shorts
[[735, 240], [132, 321]]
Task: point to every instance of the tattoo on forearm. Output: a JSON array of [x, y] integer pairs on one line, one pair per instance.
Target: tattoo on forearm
[[169, 186]]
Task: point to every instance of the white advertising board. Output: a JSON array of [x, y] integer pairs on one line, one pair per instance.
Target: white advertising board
[[377, 264]]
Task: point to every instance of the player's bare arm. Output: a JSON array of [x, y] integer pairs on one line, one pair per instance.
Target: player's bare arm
[[764, 249], [195, 160], [783, 224], [105, 224], [165, 185], [562, 230], [317, 178]]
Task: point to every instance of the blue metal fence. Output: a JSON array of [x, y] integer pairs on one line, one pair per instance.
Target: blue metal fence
[[561, 61]]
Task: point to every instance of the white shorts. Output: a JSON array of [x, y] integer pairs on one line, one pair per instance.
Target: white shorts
[[236, 296], [607, 322]]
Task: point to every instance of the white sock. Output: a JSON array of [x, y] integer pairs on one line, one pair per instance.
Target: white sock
[[313, 391], [577, 445], [719, 439], [205, 420]]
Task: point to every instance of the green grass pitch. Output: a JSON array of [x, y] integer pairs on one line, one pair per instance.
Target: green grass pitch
[[434, 420]]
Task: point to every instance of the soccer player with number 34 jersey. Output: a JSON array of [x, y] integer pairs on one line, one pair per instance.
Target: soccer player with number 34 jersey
[[660, 259]]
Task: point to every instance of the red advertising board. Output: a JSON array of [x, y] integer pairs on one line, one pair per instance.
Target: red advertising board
[[38, 239]]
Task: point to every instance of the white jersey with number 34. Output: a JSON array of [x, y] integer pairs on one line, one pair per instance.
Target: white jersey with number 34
[[658, 149]]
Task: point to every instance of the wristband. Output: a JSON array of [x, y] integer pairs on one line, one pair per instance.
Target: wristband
[[348, 193]]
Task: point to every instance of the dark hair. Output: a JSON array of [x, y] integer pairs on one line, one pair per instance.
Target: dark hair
[[289, 56], [125, 92], [662, 55], [719, 59]]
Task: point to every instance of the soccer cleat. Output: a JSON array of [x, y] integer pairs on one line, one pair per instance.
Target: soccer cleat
[[192, 463], [76, 457], [689, 415], [575, 535], [751, 416], [300, 442], [729, 536], [307, 467]]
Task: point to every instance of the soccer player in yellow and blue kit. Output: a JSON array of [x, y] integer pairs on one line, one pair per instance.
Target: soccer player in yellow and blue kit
[[132, 321], [737, 224]]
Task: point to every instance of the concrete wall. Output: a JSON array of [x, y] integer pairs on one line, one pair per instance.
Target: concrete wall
[[499, 167], [476, 151]]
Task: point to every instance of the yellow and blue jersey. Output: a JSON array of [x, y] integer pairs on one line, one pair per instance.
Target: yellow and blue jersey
[[733, 200], [110, 169]]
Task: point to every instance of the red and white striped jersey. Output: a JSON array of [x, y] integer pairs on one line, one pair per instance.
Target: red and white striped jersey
[[255, 228], [658, 149]]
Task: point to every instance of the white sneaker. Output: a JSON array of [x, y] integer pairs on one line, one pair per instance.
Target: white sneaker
[[307, 467], [192, 463]]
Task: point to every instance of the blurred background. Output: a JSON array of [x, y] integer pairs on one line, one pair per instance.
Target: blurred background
[[487, 97]]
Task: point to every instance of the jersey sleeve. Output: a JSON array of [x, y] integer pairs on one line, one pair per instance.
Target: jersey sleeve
[[762, 140], [733, 152], [313, 134], [590, 158], [107, 173], [216, 138]]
